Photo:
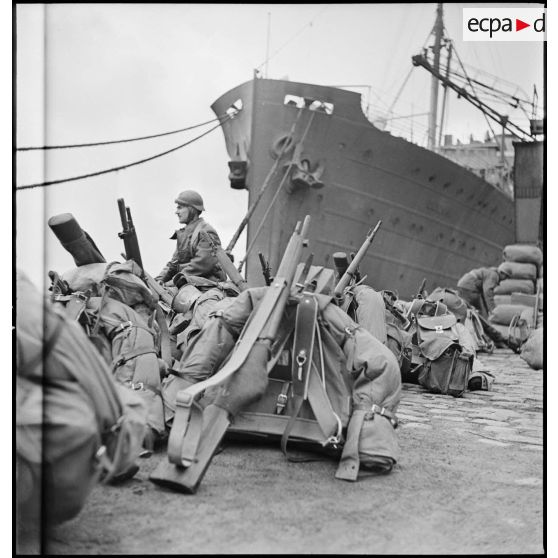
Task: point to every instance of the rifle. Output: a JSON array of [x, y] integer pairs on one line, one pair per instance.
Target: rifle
[[352, 269], [195, 435], [226, 263], [132, 251], [266, 270], [421, 289]]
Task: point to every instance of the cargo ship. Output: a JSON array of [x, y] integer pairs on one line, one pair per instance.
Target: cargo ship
[[309, 149], [302, 149]]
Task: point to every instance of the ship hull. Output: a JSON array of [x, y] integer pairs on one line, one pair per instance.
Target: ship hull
[[438, 219]]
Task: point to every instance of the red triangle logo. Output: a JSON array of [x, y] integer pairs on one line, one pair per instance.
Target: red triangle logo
[[519, 25]]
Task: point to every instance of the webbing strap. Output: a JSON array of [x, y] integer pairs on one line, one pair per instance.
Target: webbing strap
[[76, 305], [298, 401], [122, 359], [329, 422], [350, 463], [165, 336], [185, 433]]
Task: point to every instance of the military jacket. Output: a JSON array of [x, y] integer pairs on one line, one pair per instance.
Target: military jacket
[[482, 281], [194, 255]]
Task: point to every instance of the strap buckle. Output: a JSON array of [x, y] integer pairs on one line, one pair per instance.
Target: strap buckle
[[281, 402], [382, 411], [135, 386], [184, 399], [335, 441], [282, 399]]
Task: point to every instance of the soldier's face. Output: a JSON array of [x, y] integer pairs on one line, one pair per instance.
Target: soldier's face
[[184, 213]]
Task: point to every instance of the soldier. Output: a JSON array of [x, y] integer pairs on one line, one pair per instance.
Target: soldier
[[477, 286], [194, 270], [193, 255]]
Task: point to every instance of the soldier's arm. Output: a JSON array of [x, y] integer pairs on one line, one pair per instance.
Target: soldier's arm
[[489, 284], [204, 260], [170, 270]]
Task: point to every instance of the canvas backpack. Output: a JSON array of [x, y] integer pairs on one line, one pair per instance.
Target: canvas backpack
[[73, 425], [443, 365]]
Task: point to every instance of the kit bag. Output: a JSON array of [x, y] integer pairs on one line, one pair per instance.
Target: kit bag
[[445, 364]]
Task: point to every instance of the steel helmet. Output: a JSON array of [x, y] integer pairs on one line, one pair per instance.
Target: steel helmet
[[192, 198]]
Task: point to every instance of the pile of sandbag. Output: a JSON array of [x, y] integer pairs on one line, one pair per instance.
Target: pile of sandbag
[[519, 298]]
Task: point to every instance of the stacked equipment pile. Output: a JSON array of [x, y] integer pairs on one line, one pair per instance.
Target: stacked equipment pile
[[519, 298]]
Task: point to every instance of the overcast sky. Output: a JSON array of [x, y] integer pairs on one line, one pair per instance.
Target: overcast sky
[[99, 72]]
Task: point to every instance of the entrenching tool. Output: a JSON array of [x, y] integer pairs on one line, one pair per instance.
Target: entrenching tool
[[196, 434]]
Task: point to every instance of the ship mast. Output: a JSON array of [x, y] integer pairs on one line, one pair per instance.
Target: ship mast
[[438, 32]]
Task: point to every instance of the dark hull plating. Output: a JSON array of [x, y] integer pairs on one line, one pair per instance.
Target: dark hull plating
[[438, 219]]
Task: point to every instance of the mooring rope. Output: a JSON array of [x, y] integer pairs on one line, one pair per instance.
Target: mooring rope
[[114, 169], [285, 174], [75, 145]]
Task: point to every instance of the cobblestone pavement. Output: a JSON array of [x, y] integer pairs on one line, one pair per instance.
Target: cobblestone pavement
[[510, 413], [469, 481]]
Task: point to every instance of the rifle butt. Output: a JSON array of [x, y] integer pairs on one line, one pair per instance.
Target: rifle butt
[[187, 479]]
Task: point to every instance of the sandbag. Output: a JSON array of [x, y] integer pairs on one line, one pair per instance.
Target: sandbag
[[502, 299], [509, 286], [519, 270], [525, 253], [533, 349], [504, 313]]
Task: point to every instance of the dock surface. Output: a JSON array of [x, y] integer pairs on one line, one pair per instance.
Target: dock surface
[[470, 480]]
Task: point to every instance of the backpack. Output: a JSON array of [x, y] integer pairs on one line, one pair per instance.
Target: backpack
[[442, 363], [73, 426]]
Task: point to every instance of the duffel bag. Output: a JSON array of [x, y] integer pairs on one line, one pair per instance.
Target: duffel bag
[[526, 253], [509, 286], [519, 270]]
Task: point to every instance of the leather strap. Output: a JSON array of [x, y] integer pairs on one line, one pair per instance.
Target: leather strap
[[282, 398], [303, 346], [350, 464]]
